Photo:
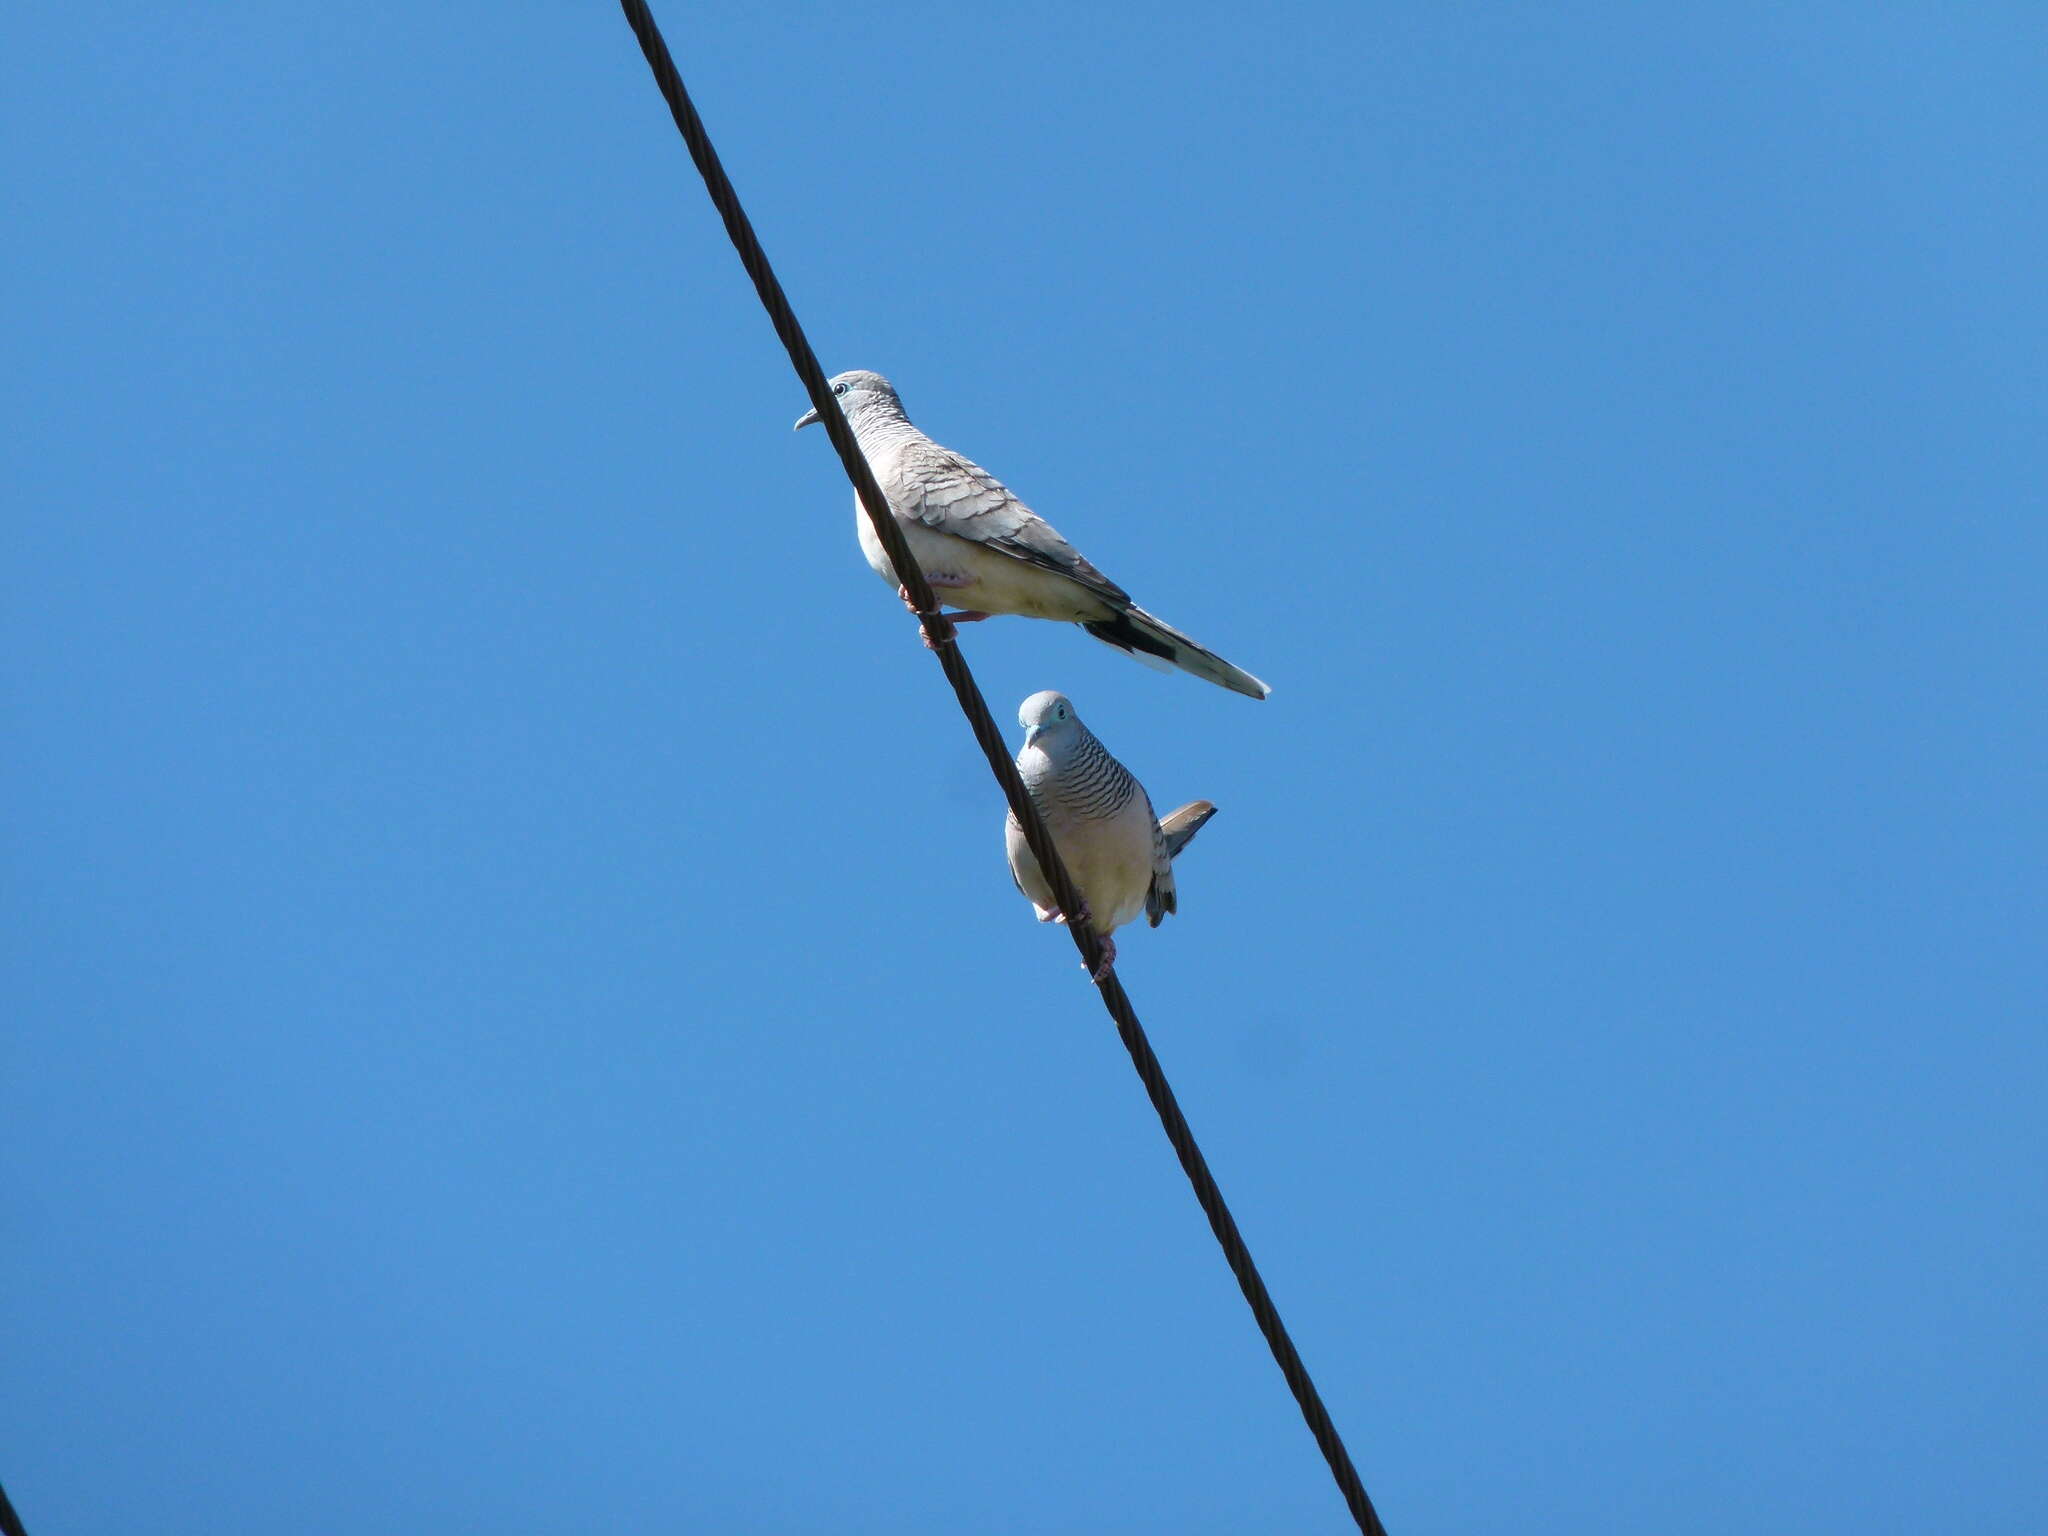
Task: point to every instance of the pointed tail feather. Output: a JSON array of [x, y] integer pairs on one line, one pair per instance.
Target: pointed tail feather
[[1181, 826], [1137, 633], [1176, 830]]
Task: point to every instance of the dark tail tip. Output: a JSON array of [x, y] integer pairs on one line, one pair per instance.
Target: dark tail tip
[[1126, 636]]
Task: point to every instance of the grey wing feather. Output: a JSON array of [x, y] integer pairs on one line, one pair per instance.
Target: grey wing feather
[[949, 492]]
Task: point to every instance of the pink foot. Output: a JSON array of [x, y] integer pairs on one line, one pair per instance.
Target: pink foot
[[1055, 915], [931, 630], [945, 621]]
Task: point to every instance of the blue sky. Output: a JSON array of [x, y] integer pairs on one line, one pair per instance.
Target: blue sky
[[520, 1019]]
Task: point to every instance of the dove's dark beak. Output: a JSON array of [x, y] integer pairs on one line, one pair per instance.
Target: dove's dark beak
[[808, 419]]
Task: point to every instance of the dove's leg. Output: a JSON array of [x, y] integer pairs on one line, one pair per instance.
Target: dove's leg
[[1108, 947], [939, 583], [1055, 915]]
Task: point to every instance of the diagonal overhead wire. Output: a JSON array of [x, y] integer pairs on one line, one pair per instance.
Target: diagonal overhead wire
[[940, 633]]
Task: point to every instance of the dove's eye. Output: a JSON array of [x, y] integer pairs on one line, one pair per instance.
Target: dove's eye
[[838, 389]]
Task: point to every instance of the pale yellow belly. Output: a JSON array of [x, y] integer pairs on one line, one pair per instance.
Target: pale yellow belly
[[996, 582], [1113, 874], [1113, 879]]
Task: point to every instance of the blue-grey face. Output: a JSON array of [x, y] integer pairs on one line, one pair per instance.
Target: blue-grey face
[[851, 390], [1046, 714]]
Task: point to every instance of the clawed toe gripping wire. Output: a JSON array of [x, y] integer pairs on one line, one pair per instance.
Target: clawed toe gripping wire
[[941, 637]]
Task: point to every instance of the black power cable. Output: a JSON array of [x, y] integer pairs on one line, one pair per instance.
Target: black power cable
[[10, 1522], [940, 633]]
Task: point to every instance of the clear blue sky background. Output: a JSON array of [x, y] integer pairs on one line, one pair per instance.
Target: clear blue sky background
[[517, 1019]]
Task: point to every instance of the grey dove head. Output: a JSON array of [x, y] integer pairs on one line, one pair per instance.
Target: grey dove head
[[858, 393], [1048, 718]]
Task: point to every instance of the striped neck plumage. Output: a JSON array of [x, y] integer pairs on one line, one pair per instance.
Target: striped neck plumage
[[879, 419], [1073, 773]]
